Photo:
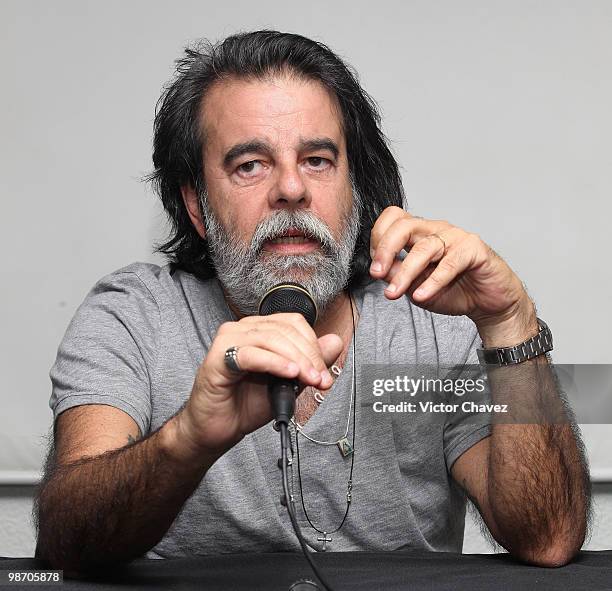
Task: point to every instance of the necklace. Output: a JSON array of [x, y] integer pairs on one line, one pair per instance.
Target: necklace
[[325, 537], [318, 396], [345, 447]]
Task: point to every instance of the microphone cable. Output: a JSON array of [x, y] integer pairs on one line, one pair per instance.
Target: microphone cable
[[292, 297], [284, 437]]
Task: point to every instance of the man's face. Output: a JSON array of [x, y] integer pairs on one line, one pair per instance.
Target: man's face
[[279, 204]]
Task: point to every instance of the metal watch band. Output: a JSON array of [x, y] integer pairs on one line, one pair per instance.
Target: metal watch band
[[537, 345]]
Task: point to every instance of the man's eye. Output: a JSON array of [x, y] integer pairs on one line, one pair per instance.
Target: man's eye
[[249, 167], [318, 162]]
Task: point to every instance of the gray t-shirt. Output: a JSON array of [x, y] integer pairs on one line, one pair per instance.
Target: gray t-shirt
[[136, 343]]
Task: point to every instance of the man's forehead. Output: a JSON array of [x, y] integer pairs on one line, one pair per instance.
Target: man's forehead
[[279, 109]]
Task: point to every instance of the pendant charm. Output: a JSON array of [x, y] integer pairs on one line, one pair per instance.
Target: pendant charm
[[346, 449], [325, 539]]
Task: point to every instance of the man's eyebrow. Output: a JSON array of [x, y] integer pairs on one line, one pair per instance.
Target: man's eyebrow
[[248, 147], [322, 143], [259, 147]]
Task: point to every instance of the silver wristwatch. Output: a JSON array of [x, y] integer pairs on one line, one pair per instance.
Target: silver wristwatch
[[537, 345]]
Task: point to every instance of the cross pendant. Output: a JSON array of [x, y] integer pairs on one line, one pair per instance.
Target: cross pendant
[[324, 539]]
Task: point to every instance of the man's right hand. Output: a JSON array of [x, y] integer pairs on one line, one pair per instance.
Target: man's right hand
[[224, 406]]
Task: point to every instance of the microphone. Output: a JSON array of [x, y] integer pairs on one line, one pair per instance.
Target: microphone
[[287, 298]]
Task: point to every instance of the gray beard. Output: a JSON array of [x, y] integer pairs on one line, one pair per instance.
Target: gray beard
[[247, 272]]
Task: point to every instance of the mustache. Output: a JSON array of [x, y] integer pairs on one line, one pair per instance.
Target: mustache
[[279, 223]]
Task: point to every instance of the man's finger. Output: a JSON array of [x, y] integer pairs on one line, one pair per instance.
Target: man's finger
[[256, 360], [292, 325], [393, 271], [312, 368], [426, 251], [331, 347], [402, 234], [384, 221], [450, 267]]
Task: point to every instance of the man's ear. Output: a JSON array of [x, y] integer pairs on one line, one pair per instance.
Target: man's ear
[[191, 201]]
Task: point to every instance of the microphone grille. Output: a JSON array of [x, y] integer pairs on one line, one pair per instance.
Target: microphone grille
[[289, 298]]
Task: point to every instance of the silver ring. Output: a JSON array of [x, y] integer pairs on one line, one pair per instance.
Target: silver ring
[[231, 361]]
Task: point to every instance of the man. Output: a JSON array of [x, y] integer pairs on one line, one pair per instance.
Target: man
[[271, 164]]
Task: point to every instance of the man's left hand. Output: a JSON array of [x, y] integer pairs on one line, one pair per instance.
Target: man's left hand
[[450, 271]]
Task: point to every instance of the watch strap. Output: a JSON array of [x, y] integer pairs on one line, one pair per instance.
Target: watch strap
[[537, 345]]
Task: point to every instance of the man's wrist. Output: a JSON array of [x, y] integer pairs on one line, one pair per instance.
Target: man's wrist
[[510, 328], [180, 449]]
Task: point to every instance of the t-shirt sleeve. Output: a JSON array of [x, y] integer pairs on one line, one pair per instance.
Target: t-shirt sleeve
[[462, 429], [109, 351]]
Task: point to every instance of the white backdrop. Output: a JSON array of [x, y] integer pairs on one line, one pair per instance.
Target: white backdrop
[[499, 113]]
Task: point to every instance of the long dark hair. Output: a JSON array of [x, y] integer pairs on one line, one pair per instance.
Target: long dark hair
[[178, 141]]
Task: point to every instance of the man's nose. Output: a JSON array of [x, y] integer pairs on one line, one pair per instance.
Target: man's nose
[[289, 189]]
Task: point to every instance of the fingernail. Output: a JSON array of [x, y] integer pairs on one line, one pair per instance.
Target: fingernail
[[326, 376], [391, 288], [314, 374], [420, 292], [376, 267]]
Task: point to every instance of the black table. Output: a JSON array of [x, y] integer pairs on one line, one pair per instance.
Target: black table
[[390, 571]]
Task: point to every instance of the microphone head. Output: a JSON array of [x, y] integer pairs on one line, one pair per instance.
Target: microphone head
[[289, 297]]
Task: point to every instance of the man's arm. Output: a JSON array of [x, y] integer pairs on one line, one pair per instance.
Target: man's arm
[[101, 505], [530, 482], [100, 502]]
